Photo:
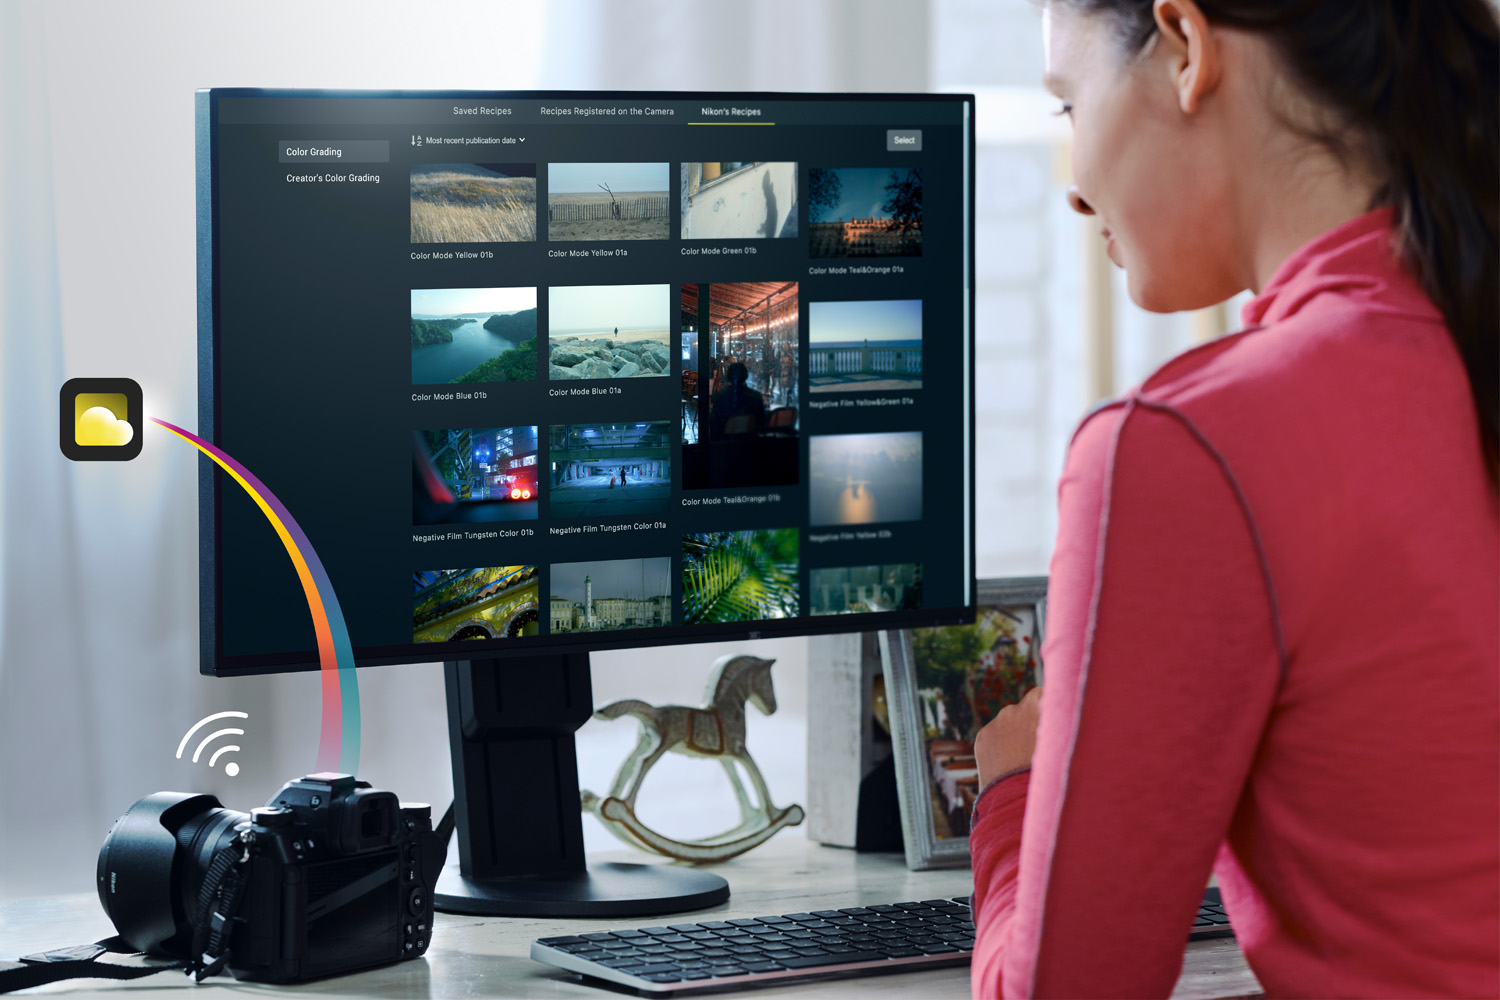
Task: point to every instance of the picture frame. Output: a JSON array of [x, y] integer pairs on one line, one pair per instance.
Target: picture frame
[[943, 684]]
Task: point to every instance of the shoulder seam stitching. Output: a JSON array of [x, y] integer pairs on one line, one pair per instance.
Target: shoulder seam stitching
[[1130, 403]]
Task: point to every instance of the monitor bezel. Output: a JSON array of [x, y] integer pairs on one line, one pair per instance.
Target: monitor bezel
[[212, 662]]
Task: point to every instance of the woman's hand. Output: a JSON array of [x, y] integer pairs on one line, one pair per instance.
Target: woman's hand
[[1007, 742]]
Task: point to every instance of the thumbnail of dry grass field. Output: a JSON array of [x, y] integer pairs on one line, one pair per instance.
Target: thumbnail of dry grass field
[[473, 203]]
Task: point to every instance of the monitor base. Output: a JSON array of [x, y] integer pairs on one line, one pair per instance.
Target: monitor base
[[610, 889]]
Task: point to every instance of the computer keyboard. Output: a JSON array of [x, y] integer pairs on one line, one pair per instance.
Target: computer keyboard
[[857, 939]]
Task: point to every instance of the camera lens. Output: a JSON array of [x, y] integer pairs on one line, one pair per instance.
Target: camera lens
[[152, 865]]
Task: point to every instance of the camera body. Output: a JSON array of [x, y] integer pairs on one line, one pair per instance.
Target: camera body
[[338, 876]]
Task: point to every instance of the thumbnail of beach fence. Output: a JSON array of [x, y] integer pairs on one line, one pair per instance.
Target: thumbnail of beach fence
[[608, 201], [473, 202]]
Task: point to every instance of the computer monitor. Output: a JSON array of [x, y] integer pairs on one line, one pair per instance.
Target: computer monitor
[[645, 399]]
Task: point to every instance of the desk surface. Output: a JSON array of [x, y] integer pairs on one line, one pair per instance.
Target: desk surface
[[488, 957]]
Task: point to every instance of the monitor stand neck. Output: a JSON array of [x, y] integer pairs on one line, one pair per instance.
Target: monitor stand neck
[[516, 803]]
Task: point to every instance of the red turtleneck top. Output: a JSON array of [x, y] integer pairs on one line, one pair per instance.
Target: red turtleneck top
[[1273, 652]]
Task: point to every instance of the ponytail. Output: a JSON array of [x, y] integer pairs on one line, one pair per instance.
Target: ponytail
[[1436, 122], [1418, 78]]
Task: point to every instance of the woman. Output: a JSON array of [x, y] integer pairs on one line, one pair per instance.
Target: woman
[[1272, 631]]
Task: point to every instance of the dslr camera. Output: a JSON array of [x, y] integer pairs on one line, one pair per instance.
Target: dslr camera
[[329, 876]]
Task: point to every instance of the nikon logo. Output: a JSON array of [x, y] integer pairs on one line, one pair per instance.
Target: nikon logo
[[111, 883]]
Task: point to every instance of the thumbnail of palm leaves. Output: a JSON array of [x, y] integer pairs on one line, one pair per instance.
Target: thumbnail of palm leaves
[[736, 576]]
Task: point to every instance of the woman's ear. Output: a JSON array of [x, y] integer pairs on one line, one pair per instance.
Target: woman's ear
[[1192, 51]]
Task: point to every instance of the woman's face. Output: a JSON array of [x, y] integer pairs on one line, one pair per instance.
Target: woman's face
[[1147, 173]]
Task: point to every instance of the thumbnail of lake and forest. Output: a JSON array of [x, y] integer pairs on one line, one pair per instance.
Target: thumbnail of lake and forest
[[469, 335]]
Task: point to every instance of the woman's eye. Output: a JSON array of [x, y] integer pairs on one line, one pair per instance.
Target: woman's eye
[[1066, 109]]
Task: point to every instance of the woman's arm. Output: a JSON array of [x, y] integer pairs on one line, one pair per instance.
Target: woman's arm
[[1162, 660]]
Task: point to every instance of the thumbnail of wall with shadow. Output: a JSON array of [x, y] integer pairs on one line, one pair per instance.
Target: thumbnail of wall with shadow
[[738, 201], [864, 346], [608, 201], [610, 470], [492, 602], [473, 202], [853, 590], [605, 595], [864, 212], [473, 335], [865, 478], [473, 475], [742, 427], [740, 576], [608, 331]]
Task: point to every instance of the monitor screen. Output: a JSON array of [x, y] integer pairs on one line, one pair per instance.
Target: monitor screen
[[644, 397]]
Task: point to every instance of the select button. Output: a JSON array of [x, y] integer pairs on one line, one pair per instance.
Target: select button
[[903, 140]]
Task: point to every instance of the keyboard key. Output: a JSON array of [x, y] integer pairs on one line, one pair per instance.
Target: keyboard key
[[721, 971], [565, 939], [744, 922], [800, 917], [712, 953], [658, 931], [772, 921], [934, 902], [763, 966], [825, 914], [627, 935], [663, 977], [855, 911], [938, 948], [599, 936], [654, 970], [714, 925], [840, 958], [900, 952], [684, 928], [622, 963]]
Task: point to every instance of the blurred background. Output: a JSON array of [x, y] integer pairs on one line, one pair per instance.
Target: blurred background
[[99, 590]]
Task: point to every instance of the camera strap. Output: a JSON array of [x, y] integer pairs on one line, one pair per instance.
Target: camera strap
[[76, 963], [218, 901]]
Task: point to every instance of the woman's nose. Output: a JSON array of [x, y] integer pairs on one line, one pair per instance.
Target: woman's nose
[[1076, 202]]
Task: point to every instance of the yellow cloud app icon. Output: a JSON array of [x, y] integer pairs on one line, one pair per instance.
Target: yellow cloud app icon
[[103, 419], [100, 419]]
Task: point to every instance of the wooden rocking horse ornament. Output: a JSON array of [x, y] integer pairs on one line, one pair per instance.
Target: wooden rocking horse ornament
[[717, 731]]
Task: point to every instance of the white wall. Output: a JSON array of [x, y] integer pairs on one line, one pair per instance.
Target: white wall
[[98, 594]]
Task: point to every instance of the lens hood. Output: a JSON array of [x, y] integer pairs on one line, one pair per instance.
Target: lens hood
[[138, 875]]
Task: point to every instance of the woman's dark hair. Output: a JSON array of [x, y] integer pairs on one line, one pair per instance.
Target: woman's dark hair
[[1418, 78]]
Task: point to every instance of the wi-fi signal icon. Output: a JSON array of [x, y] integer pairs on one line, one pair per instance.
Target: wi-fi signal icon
[[230, 768]]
